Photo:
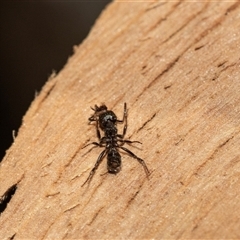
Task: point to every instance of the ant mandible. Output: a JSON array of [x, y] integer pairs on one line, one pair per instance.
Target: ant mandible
[[106, 120]]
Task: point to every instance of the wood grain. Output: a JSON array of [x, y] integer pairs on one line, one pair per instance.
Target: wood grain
[[177, 65]]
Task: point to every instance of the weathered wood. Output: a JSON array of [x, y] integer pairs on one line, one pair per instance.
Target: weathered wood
[[177, 65]]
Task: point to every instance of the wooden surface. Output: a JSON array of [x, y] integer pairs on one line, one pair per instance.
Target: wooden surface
[[177, 65]]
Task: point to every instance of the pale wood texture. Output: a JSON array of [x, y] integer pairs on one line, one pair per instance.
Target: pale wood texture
[[177, 65]]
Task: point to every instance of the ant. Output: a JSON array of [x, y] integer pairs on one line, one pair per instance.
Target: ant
[[107, 121]]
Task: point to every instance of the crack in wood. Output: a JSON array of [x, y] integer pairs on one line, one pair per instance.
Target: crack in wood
[[167, 86], [95, 216], [232, 8], [6, 197], [47, 93], [172, 10], [199, 47], [13, 236], [217, 74], [149, 120], [52, 194], [133, 197], [71, 208], [155, 6]]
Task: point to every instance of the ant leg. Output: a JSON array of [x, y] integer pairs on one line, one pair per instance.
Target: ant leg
[[99, 160], [91, 119], [100, 144], [127, 141], [98, 132], [141, 161], [124, 120], [94, 143]]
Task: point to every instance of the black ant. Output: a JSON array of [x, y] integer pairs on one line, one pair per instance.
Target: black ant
[[107, 121]]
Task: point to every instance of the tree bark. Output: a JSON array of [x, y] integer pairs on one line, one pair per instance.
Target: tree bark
[[177, 66]]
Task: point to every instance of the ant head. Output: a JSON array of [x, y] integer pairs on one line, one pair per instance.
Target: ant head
[[97, 111]]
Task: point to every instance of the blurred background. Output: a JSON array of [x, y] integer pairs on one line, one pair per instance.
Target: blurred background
[[36, 38]]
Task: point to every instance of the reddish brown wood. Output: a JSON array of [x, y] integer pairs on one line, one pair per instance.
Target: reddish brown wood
[[177, 66]]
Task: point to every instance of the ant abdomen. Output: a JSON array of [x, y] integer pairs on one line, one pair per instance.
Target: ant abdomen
[[113, 161]]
